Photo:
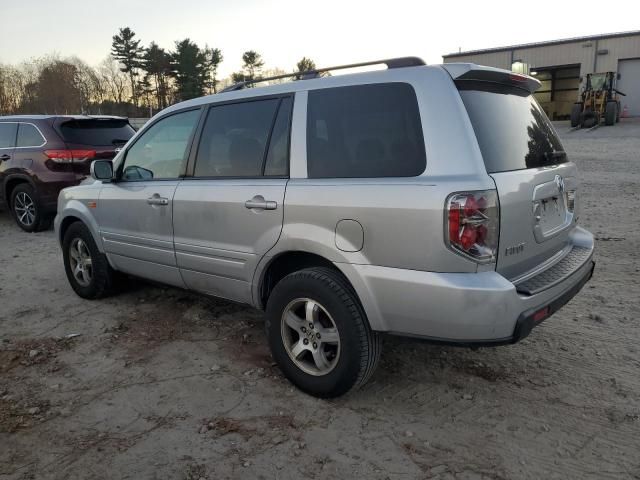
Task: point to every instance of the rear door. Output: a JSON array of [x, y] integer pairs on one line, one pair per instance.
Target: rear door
[[523, 154], [135, 213], [8, 132], [229, 213]]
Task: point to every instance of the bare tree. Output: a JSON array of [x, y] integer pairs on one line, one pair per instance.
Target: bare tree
[[113, 80]]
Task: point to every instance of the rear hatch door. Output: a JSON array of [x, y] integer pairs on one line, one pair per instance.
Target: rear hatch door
[[522, 152], [94, 138]]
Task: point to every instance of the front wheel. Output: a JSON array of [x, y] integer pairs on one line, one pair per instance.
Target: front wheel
[[610, 113], [319, 334], [576, 111], [88, 270]]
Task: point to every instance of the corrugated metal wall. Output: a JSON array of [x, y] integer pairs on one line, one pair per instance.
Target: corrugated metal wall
[[583, 53]]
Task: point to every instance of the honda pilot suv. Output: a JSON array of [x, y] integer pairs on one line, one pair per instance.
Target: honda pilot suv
[[426, 201], [42, 154]]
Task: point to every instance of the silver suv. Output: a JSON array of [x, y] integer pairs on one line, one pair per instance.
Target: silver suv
[[427, 201]]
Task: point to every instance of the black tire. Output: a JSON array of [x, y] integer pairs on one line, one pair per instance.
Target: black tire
[[102, 275], [27, 209], [610, 113], [360, 347], [576, 110], [588, 119], [617, 112]]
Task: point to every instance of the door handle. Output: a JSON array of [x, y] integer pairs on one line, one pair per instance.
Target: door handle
[[156, 199], [259, 203], [4, 157]]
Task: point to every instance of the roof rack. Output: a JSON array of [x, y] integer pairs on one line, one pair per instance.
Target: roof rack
[[399, 62]]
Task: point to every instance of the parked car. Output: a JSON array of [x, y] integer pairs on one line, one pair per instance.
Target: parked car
[[42, 154], [426, 201]]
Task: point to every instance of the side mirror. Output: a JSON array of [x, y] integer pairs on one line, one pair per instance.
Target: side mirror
[[102, 170]]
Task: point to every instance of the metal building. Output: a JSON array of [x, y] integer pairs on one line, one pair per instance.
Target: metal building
[[561, 66]]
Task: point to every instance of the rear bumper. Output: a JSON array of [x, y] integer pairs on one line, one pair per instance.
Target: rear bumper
[[462, 308]]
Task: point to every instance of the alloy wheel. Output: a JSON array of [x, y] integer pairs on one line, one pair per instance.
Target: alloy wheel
[[310, 336], [25, 209], [81, 262]]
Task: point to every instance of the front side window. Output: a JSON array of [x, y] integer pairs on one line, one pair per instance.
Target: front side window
[[29, 136], [160, 153], [8, 135], [234, 139], [364, 131]]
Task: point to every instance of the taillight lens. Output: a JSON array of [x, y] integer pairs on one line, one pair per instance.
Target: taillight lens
[[69, 156], [472, 224]]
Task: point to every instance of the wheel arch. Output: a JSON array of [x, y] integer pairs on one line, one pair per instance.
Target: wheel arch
[[275, 268], [76, 211], [11, 182]]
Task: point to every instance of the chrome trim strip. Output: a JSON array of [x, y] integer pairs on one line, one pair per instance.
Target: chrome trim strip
[[31, 146]]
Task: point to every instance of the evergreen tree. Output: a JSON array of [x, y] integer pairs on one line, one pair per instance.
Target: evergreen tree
[[126, 49]]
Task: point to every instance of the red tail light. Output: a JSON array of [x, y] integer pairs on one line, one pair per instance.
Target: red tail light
[[69, 156], [472, 224]]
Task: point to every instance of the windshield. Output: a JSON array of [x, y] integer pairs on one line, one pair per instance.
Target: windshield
[[512, 130], [114, 132], [598, 81]]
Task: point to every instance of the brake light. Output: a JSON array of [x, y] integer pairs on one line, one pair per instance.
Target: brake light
[[69, 156], [472, 224]]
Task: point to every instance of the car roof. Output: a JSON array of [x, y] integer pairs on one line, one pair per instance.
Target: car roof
[[374, 76], [50, 117]]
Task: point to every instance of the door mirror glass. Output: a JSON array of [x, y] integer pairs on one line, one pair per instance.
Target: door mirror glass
[[133, 172], [102, 170]]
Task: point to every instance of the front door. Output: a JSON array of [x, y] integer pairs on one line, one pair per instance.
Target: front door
[[230, 212], [135, 212]]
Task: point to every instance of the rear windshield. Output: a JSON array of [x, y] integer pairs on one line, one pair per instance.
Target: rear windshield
[[97, 131], [512, 130]]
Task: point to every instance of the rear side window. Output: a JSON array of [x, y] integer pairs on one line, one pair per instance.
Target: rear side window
[[513, 131], [8, 135], [234, 139], [364, 131], [29, 136], [97, 131]]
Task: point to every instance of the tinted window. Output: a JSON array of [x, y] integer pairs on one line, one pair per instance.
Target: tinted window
[[364, 131], [29, 136], [234, 139], [512, 129], [97, 131], [8, 135], [161, 150], [278, 157]]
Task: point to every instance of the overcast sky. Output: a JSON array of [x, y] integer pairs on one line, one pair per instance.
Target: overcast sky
[[328, 31]]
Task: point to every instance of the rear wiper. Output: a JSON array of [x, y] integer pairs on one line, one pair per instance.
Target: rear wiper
[[118, 141], [558, 154]]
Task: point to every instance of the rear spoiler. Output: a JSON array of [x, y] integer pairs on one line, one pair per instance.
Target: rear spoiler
[[480, 73]]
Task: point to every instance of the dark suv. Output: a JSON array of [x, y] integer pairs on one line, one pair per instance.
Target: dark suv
[[42, 154]]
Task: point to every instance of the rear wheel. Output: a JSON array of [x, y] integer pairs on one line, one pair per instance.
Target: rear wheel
[[87, 269], [319, 334], [27, 209], [610, 113], [576, 110]]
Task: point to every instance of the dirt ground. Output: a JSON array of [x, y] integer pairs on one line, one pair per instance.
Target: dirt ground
[[156, 383]]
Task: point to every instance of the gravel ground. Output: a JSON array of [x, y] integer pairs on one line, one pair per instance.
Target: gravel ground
[[158, 383]]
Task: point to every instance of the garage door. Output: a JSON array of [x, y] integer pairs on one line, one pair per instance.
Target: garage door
[[629, 83]]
